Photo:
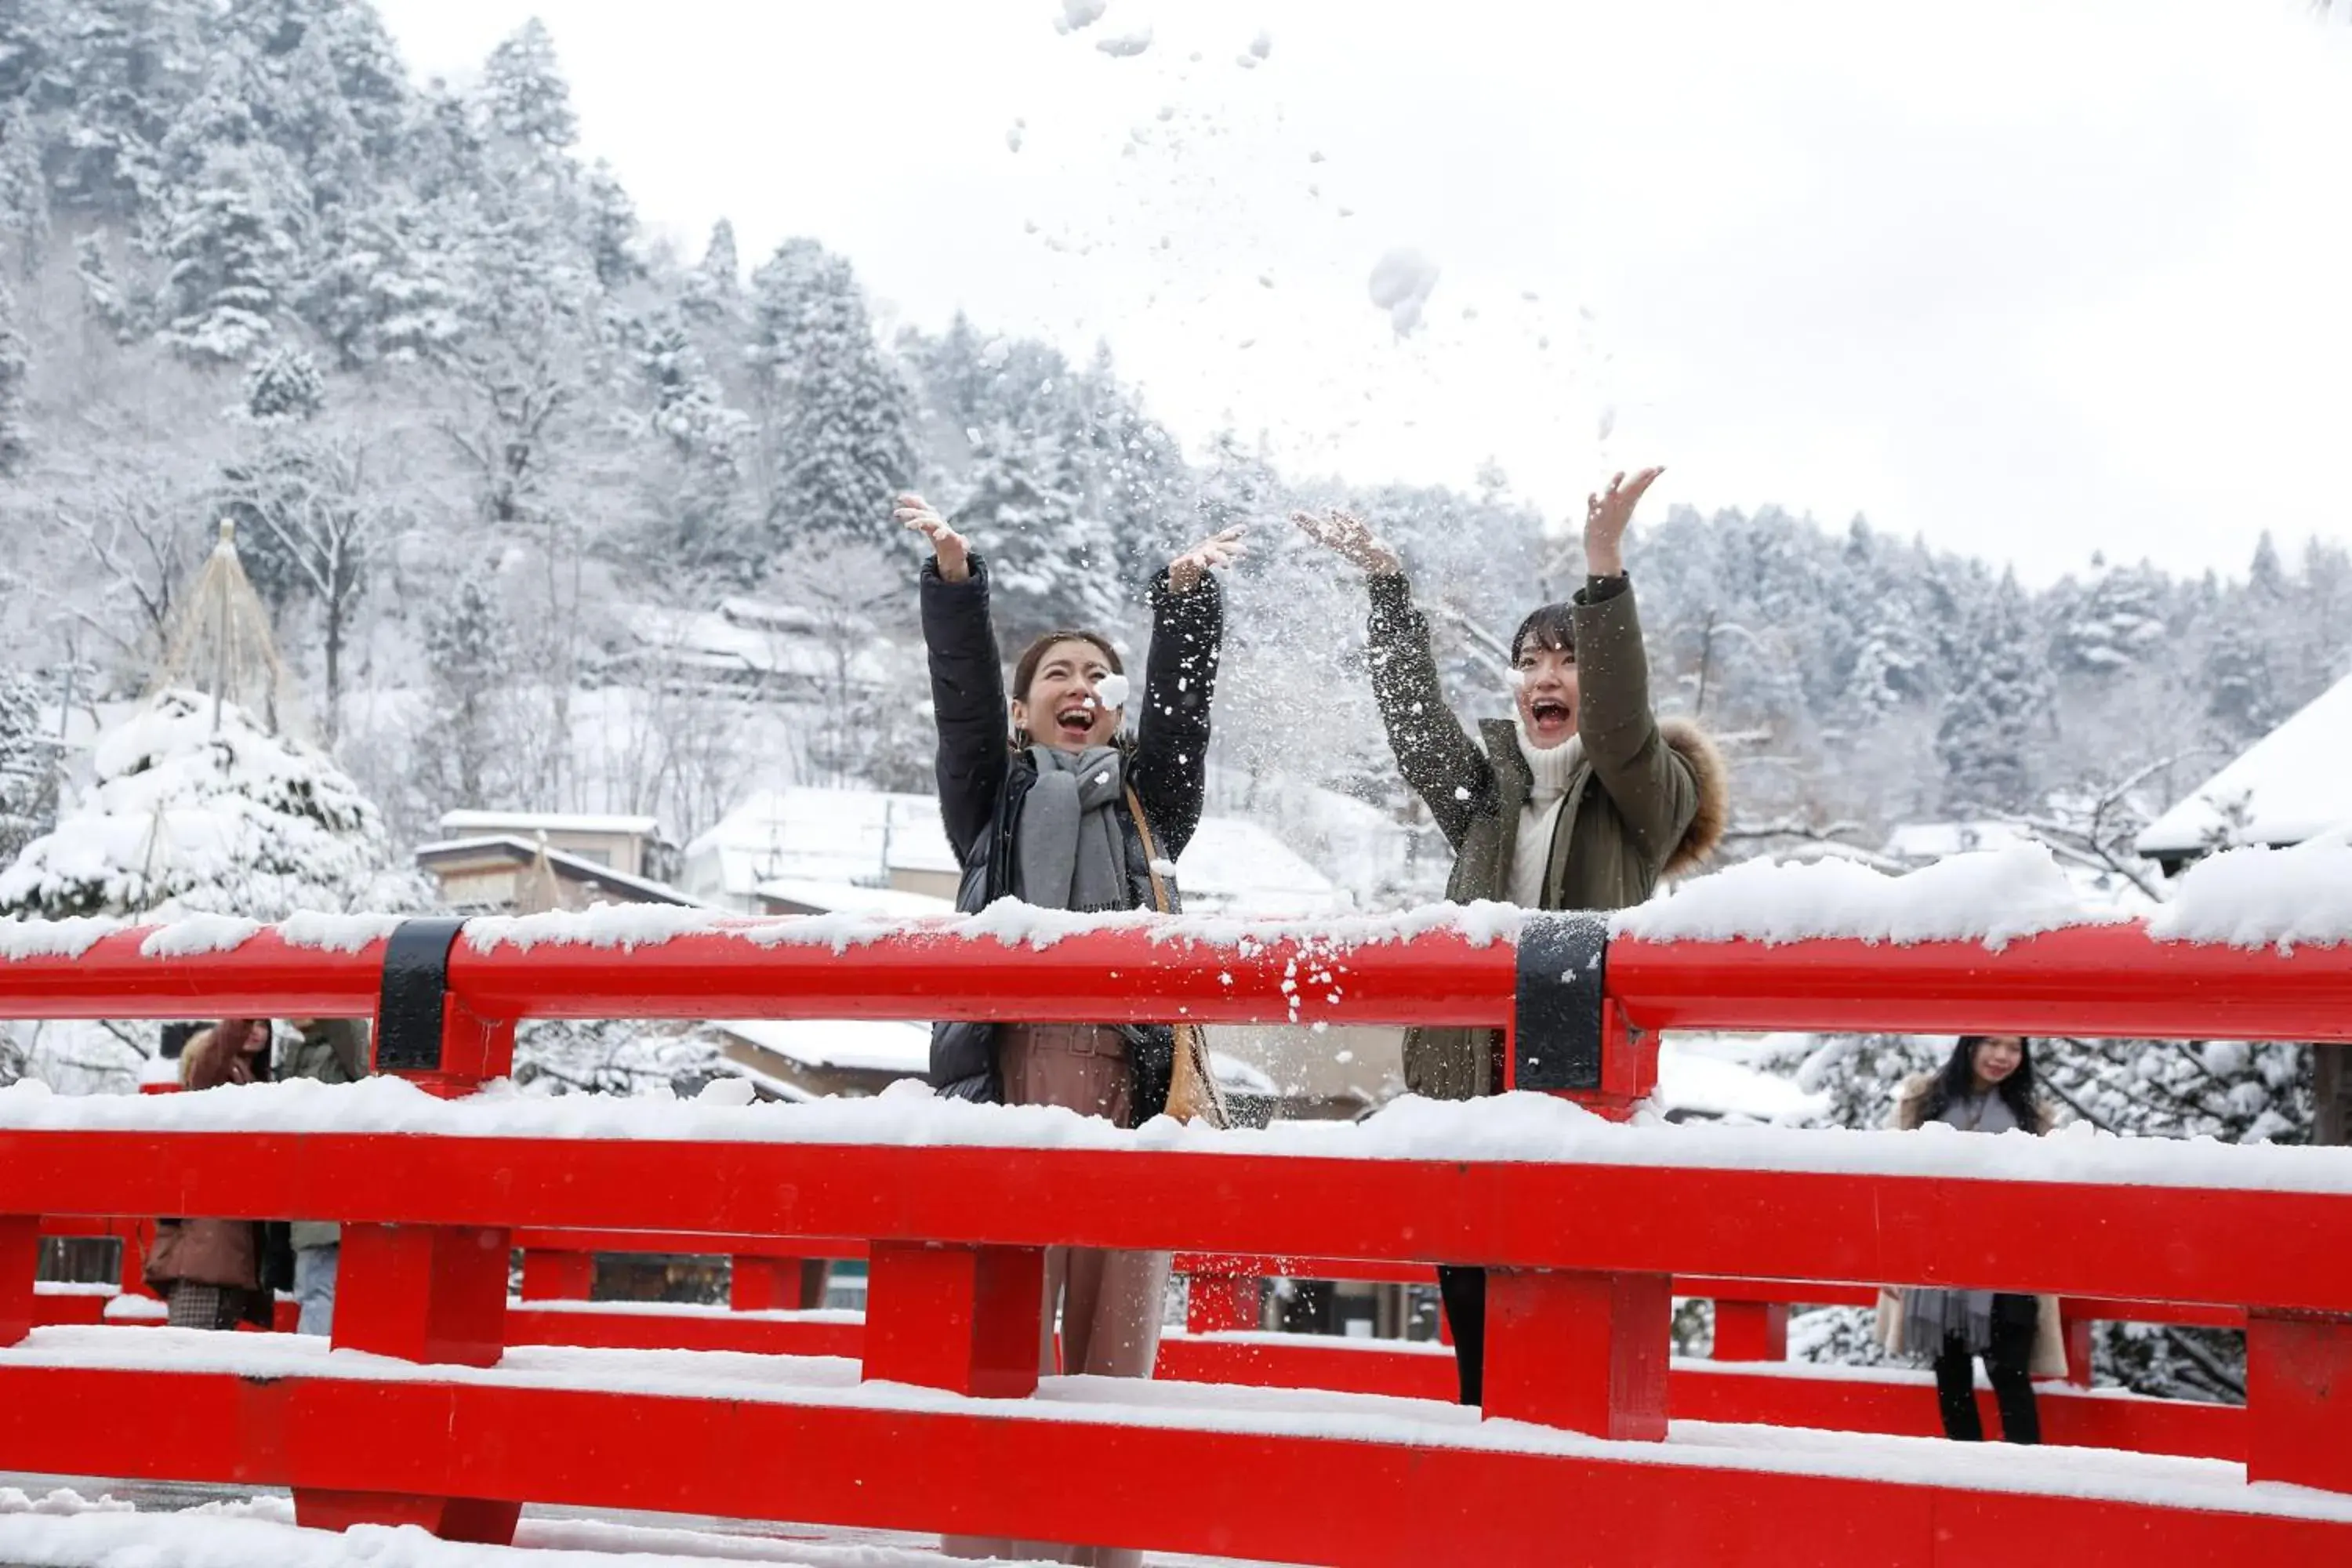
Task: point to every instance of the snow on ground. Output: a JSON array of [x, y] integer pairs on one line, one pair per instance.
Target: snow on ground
[[1519, 1128], [835, 1383]]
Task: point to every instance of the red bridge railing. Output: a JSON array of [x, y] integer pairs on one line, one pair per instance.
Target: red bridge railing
[[1585, 1241]]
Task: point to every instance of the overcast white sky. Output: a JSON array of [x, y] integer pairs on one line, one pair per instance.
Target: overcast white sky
[[2035, 277]]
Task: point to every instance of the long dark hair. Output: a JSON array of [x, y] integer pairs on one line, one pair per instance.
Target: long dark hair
[[1958, 1081]]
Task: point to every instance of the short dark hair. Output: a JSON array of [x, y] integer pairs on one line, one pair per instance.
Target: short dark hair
[[1551, 628]]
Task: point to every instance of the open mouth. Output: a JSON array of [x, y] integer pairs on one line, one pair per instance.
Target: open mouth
[[1547, 711], [1075, 722]]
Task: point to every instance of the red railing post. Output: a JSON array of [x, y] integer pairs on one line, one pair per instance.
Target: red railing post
[[20, 1263], [1752, 1330], [2299, 1399], [1223, 1300], [422, 1293], [965, 1318], [1583, 1352], [2077, 1331], [776, 1283], [557, 1276]]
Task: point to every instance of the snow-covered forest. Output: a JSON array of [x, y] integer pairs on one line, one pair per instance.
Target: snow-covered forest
[[550, 516]]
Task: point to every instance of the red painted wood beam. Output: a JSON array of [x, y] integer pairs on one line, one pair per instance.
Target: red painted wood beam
[[2113, 980], [2222, 1247], [1002, 1474]]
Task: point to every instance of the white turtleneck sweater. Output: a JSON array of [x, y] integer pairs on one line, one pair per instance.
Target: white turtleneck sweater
[[1539, 820]]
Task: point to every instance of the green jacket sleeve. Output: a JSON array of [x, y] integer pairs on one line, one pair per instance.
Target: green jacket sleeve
[[1439, 760], [1650, 784]]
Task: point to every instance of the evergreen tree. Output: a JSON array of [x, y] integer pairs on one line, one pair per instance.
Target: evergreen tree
[[1053, 560], [612, 234], [713, 290], [23, 189], [469, 646], [120, 74], [15, 438], [1984, 735], [28, 768], [838, 422], [227, 227], [2241, 693], [528, 99], [2117, 625], [197, 809]]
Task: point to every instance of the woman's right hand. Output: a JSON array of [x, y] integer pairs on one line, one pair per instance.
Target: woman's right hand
[[951, 549], [1344, 534]]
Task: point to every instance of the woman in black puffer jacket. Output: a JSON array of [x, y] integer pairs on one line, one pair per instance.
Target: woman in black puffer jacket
[[1067, 815]]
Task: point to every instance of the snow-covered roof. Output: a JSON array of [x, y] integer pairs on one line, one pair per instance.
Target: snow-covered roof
[[638, 890], [464, 824], [1237, 866], [2295, 783], [856, 1046], [753, 644], [852, 898], [1934, 840], [820, 834]]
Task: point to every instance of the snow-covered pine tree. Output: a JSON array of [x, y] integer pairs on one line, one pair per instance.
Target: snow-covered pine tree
[[119, 74], [469, 646], [527, 97], [838, 422], [2000, 689], [24, 190], [2241, 691], [27, 765], [2118, 622], [15, 368], [195, 808], [227, 228], [712, 290], [699, 524], [610, 222], [1053, 560]]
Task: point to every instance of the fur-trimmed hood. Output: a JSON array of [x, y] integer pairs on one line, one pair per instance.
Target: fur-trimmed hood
[[1713, 778]]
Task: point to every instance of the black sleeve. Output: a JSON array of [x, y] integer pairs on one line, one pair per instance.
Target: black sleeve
[[967, 701], [1171, 753]]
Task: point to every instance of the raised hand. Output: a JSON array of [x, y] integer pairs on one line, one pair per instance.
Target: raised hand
[[953, 550], [1345, 535], [1606, 518], [1184, 573]]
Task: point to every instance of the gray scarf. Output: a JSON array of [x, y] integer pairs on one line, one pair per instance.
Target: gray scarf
[[1070, 854], [1932, 1316]]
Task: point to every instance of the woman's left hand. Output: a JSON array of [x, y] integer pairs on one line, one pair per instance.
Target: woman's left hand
[[1184, 573]]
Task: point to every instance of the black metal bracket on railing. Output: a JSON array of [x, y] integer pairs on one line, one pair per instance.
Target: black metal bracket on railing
[[1558, 1014], [415, 998]]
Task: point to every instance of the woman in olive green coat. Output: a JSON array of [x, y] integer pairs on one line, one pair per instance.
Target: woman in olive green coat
[[1583, 799]]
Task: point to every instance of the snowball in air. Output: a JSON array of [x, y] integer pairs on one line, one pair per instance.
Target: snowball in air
[[1262, 45], [1121, 46], [1112, 691], [1401, 285], [1013, 136], [1077, 14]]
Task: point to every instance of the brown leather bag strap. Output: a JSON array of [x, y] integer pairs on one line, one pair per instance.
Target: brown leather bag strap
[[1160, 899]]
